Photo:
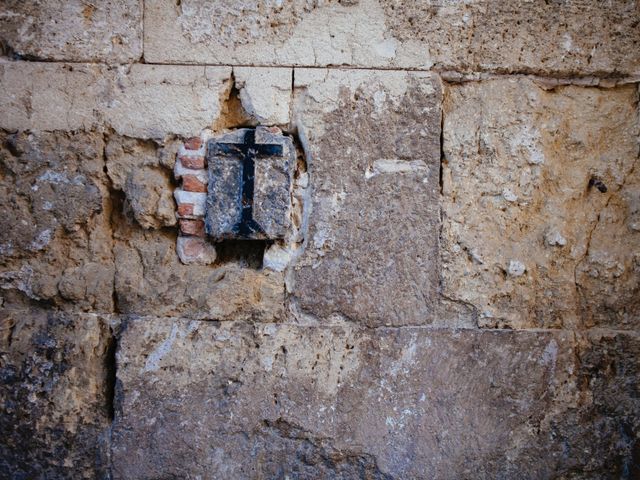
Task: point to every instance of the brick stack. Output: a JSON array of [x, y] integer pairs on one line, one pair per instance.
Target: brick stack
[[191, 197]]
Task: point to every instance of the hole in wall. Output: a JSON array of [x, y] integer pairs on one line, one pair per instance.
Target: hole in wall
[[246, 253]]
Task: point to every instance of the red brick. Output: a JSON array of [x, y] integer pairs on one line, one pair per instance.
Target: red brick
[[192, 227], [193, 143], [195, 163], [190, 183], [192, 247], [185, 209]]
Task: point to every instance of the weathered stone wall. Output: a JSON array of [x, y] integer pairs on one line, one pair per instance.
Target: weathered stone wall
[[460, 297]]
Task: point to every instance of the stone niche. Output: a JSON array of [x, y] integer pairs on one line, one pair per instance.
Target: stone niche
[[236, 186]]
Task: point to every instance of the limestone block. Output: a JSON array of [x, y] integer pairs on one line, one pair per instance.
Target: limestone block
[[608, 276], [349, 402], [372, 145], [150, 280], [73, 30], [513, 36], [52, 96], [265, 93], [56, 244], [56, 383], [152, 101], [521, 206]]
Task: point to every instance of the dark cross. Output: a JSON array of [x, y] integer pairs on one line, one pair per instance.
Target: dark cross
[[249, 150]]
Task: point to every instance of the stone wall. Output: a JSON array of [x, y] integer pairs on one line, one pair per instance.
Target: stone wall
[[460, 293]]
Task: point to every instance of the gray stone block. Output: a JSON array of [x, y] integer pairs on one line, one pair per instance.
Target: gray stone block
[[250, 175]]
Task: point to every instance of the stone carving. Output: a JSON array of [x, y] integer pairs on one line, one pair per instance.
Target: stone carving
[[234, 186], [249, 184]]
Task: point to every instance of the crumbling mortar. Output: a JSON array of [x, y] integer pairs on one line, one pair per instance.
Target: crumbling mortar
[[329, 325]]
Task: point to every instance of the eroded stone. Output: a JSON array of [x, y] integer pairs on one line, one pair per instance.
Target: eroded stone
[[150, 280], [56, 244], [576, 38], [545, 147], [372, 145], [55, 393], [73, 30], [397, 403]]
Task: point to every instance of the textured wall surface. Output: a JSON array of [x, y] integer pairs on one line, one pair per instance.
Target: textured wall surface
[[458, 294]]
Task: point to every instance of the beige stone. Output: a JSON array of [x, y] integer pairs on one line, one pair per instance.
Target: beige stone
[[543, 148], [144, 101], [265, 93], [583, 38], [151, 280], [138, 168], [152, 101], [349, 402], [73, 30], [52, 96], [372, 145], [56, 241]]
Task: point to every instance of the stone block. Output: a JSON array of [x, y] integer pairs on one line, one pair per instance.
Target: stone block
[[73, 30], [548, 38], [151, 280], [56, 244], [52, 96], [153, 101], [350, 402], [265, 93], [56, 386], [372, 145], [250, 177], [523, 222]]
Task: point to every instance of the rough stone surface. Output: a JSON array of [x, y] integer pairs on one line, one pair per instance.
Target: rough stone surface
[[150, 280], [346, 402], [54, 402], [527, 242], [138, 168], [77, 31], [265, 93], [52, 96], [580, 37], [152, 101], [56, 242], [372, 145], [456, 294], [142, 101]]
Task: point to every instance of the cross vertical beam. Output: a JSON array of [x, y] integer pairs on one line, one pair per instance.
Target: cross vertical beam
[[249, 151]]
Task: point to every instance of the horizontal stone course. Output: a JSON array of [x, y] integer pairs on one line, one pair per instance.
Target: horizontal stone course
[[73, 30], [398, 402], [549, 38]]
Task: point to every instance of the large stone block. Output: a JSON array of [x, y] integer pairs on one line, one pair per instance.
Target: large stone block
[[538, 203], [372, 145], [152, 101], [76, 31], [56, 386], [143, 101], [580, 37], [52, 96], [56, 242], [348, 402]]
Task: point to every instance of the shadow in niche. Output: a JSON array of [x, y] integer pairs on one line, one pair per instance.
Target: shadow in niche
[[247, 253]]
